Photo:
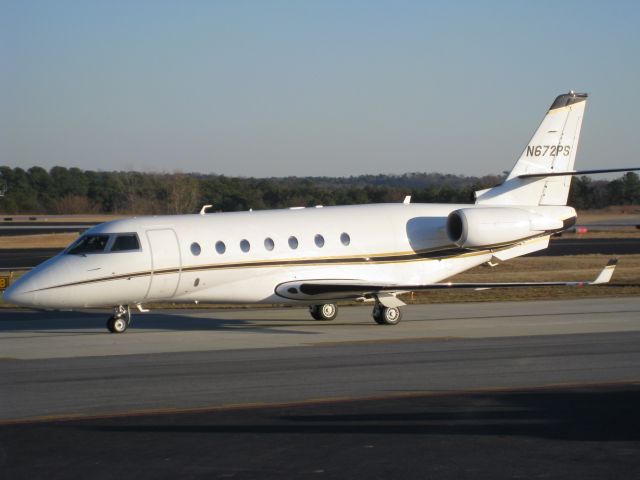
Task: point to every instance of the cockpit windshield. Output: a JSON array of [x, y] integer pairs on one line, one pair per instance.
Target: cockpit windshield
[[125, 242], [105, 243], [89, 244]]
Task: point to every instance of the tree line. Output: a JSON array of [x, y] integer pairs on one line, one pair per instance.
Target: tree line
[[72, 190]]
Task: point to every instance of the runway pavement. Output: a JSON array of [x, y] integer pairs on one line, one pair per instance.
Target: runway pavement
[[25, 258], [496, 390], [561, 433], [590, 246], [201, 358], [39, 228]]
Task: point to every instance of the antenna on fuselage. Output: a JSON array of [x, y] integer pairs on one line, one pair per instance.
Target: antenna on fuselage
[[204, 208]]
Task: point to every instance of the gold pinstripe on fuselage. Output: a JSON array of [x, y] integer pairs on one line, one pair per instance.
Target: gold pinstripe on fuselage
[[372, 259]]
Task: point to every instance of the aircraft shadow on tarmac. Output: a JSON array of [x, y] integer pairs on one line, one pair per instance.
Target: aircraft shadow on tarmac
[[90, 322], [189, 320], [588, 414]]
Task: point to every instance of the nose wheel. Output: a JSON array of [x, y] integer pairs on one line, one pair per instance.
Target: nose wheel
[[120, 320]]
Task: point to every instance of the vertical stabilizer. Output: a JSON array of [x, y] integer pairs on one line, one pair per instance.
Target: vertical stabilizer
[[551, 149]]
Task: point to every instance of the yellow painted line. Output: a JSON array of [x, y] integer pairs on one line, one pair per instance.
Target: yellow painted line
[[68, 417]]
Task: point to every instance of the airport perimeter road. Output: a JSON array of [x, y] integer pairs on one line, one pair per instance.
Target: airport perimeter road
[[496, 390], [590, 246], [39, 228], [25, 258]]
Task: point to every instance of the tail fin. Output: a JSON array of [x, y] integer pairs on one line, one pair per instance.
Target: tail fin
[[551, 149]]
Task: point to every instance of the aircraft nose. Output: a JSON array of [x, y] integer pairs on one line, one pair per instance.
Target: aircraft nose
[[18, 294]]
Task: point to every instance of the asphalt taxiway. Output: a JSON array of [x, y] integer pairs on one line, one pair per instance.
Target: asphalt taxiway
[[495, 390], [556, 433], [39, 228], [67, 364]]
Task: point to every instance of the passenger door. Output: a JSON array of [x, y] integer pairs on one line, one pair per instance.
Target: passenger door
[[165, 263]]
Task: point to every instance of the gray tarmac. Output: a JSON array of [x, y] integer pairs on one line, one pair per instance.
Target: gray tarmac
[[36, 228], [59, 364], [464, 391]]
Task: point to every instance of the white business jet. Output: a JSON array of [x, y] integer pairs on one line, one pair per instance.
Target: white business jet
[[318, 256]]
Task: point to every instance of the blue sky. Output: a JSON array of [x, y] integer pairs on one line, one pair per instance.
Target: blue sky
[[280, 88]]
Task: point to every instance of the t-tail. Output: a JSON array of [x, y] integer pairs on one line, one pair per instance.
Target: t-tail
[[547, 161]]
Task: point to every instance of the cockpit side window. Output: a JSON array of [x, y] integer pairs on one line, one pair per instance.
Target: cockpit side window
[[89, 244], [125, 242]]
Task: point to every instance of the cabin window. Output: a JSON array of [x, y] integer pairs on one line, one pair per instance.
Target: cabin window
[[268, 243], [293, 242], [125, 242], [245, 246], [195, 249], [319, 239], [89, 244], [221, 247], [345, 239]]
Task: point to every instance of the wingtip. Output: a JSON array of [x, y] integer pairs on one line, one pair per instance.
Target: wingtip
[[607, 272]]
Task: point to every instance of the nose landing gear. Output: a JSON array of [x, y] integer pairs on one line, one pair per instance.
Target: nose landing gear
[[120, 320]]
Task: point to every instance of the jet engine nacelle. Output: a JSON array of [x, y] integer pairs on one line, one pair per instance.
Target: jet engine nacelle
[[484, 227]]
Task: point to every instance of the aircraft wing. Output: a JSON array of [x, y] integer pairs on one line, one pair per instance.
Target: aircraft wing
[[322, 290]]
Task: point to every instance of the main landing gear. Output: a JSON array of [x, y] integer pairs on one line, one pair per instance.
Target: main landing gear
[[325, 312], [386, 315], [120, 320], [381, 314]]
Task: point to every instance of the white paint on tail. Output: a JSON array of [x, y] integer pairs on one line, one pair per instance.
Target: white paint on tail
[[551, 149]]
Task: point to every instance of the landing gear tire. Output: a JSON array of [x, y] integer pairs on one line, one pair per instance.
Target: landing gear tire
[[117, 325], [325, 312], [386, 315], [120, 320]]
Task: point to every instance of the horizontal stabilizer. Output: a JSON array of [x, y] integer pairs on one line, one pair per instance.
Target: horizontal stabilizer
[[577, 172]]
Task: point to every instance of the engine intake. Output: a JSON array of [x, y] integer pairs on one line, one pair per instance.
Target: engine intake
[[493, 226]]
